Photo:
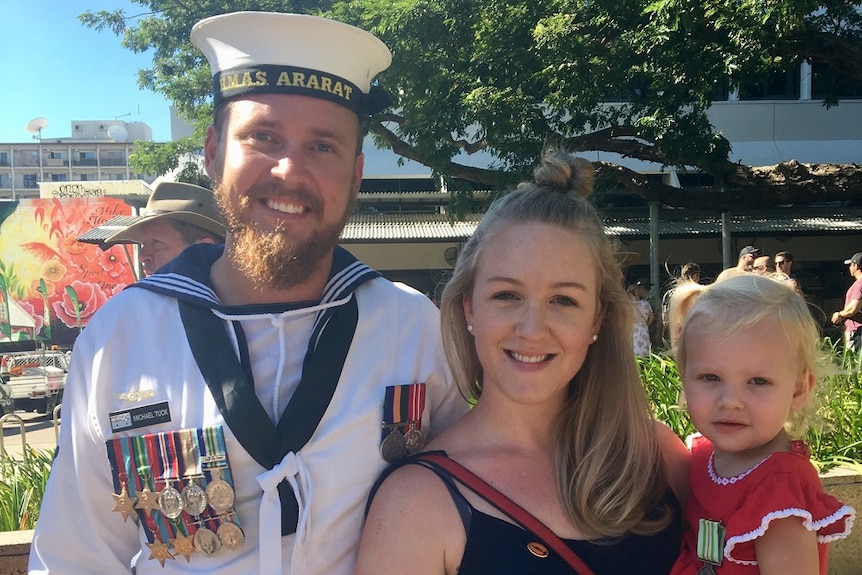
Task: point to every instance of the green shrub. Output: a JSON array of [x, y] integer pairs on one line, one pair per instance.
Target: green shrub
[[22, 484]]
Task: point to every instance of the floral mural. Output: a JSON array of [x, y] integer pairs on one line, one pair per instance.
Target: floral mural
[[41, 261]]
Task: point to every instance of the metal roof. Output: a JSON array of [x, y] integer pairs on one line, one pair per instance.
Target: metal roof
[[627, 224]]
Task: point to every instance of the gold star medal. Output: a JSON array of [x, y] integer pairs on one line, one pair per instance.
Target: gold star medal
[[184, 546], [159, 551], [147, 500], [123, 502]]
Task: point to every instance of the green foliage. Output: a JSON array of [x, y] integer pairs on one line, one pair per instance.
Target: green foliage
[[22, 485], [835, 431], [510, 78]]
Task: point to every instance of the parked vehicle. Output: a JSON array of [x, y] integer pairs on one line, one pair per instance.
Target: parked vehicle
[[7, 404], [35, 379]]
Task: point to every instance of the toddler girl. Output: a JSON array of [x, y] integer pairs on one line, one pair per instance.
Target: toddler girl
[[746, 353]]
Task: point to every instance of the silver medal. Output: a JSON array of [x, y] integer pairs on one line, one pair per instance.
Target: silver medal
[[170, 502], [194, 499], [707, 569]]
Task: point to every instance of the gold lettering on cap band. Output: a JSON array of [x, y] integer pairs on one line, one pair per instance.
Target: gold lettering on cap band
[[288, 80]]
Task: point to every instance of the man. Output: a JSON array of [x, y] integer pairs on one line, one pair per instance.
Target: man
[[744, 264], [177, 215], [239, 404], [851, 315], [761, 266], [784, 267]]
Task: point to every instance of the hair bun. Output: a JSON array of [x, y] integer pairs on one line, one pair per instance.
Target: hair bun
[[565, 173]]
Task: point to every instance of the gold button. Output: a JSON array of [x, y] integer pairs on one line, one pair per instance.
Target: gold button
[[538, 549]]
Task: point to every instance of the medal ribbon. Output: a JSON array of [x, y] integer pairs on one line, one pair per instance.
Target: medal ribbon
[[710, 541], [416, 404], [191, 454], [154, 457]]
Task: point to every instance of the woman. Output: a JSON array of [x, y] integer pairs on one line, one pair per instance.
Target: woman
[[642, 319], [537, 329]]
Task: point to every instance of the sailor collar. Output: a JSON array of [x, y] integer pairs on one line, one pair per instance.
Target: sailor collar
[[187, 278]]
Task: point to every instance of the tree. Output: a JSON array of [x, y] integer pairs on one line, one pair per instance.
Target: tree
[[512, 77]]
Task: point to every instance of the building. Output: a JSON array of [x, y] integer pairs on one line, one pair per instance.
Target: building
[[96, 151]]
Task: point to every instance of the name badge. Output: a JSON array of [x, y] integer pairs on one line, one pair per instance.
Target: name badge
[[140, 416]]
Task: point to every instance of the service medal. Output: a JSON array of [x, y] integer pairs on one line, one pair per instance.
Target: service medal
[[123, 502], [147, 500], [414, 440], [220, 494], [707, 569], [184, 546], [170, 502], [159, 551], [231, 536], [194, 499], [394, 446], [206, 541]]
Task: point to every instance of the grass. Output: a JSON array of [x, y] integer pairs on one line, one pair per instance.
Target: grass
[[835, 428], [22, 484]]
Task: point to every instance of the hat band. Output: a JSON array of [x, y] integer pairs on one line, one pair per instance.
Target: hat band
[[235, 82]]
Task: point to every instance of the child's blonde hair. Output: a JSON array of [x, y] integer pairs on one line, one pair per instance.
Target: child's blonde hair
[[742, 301]]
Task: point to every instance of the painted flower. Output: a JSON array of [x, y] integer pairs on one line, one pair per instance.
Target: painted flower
[[90, 298], [113, 266], [53, 270]]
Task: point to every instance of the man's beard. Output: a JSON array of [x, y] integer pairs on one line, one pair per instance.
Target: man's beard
[[272, 258]]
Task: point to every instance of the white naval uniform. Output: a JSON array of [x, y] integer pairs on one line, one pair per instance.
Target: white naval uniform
[[136, 343]]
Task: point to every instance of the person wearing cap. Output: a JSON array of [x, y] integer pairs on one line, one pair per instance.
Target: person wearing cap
[[176, 216], [851, 314], [236, 407], [744, 264]]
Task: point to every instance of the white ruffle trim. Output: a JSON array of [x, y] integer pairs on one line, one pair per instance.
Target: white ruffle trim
[[845, 512], [719, 480]]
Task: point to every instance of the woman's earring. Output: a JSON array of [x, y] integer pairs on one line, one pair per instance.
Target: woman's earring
[[470, 328], [595, 337]]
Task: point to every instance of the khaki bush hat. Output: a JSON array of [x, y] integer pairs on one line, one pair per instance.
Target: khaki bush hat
[[177, 201]]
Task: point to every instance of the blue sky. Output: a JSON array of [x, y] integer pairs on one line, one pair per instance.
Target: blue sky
[[54, 67]]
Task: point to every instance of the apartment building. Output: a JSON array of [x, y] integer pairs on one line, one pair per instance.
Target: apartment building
[[97, 150]]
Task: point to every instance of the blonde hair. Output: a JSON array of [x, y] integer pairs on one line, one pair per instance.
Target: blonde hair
[[743, 301], [609, 468]]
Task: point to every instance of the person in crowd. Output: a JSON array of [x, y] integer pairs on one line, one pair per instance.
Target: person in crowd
[[784, 266], [560, 426], [177, 215], [761, 266], [851, 314], [234, 405], [688, 273], [642, 317], [744, 264], [747, 354]]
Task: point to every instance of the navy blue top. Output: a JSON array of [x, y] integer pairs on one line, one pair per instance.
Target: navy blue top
[[495, 546]]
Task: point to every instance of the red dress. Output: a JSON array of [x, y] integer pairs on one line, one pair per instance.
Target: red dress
[[782, 485]]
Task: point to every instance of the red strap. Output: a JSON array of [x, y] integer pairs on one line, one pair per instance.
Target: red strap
[[507, 506]]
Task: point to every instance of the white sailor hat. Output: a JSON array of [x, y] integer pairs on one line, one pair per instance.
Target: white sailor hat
[[256, 52]]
